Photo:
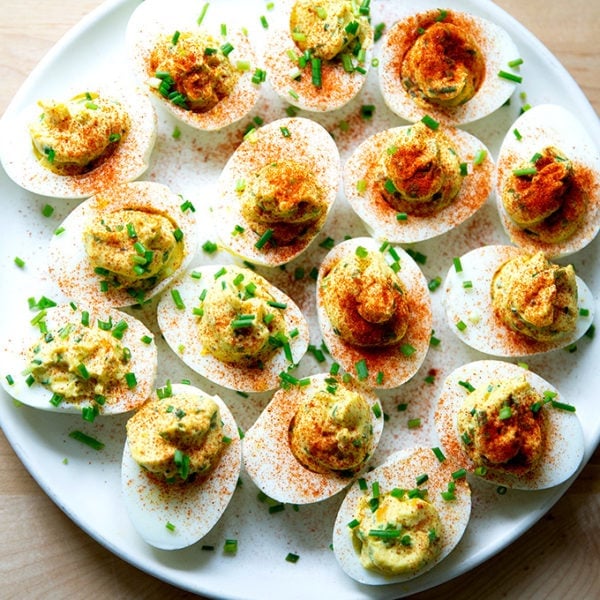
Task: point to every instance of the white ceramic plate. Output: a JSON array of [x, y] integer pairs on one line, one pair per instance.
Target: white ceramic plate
[[190, 165]]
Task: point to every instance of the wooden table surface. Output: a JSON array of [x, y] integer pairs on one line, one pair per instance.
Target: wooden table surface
[[44, 555]]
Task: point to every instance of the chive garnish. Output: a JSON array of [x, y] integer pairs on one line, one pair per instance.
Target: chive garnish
[[86, 439], [525, 171], [264, 238], [430, 122], [362, 370], [510, 76]]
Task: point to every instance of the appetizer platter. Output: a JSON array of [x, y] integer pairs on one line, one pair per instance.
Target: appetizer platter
[[255, 544]]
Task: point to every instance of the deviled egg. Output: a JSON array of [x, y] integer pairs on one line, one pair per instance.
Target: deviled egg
[[402, 518], [548, 182], [199, 69], [74, 146], [180, 467], [508, 425], [503, 301], [276, 191], [374, 311], [80, 360], [232, 326], [318, 54], [314, 437], [412, 183], [445, 64], [123, 245]]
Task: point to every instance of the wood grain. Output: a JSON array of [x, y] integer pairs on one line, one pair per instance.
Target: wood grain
[[44, 555]]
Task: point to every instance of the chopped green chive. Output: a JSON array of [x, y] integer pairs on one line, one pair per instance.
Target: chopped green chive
[[19, 262], [430, 122], [263, 240], [362, 371], [439, 454], [525, 171], [210, 247], [203, 13], [230, 546], [414, 423], [515, 63], [47, 210], [461, 325], [264, 22], [176, 296], [480, 156], [510, 76], [131, 380], [457, 264], [86, 439], [367, 111]]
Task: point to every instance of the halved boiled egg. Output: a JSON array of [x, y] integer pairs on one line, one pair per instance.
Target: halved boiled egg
[[548, 182], [412, 183], [508, 425], [232, 326], [318, 54], [123, 245], [192, 63], [402, 518], [71, 147], [180, 467], [503, 301], [276, 190], [313, 438], [445, 64], [374, 311], [83, 359]]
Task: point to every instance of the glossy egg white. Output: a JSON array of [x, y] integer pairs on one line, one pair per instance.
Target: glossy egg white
[[191, 509], [129, 160], [338, 86], [539, 127], [143, 362], [473, 306], [395, 365], [381, 219], [401, 470], [154, 18], [308, 143], [564, 447], [497, 48], [180, 329], [68, 262], [269, 460]]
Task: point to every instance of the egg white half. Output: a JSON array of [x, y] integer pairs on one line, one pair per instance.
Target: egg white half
[[473, 306], [68, 262], [129, 160], [381, 219], [180, 329], [401, 470], [307, 143], [495, 44], [154, 18], [395, 365], [539, 127], [15, 347], [338, 86], [269, 460], [192, 509], [564, 446]]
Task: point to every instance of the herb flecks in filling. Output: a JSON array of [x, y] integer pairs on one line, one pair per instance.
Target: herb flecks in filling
[[420, 173], [364, 300], [74, 137], [195, 73]]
